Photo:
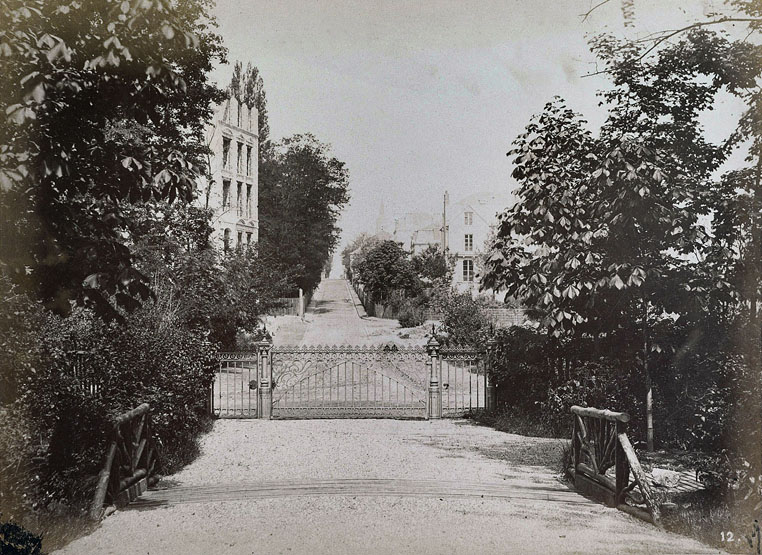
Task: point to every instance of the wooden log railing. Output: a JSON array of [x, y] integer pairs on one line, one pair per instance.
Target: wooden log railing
[[130, 461], [600, 443]]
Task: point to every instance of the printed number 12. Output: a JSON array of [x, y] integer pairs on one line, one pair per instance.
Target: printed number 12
[[727, 536]]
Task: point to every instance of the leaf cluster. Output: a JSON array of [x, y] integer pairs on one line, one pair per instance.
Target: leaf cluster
[[105, 103]]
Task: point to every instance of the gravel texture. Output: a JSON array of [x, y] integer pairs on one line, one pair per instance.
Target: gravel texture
[[542, 516]]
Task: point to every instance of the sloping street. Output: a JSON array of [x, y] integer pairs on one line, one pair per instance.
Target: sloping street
[[336, 317]]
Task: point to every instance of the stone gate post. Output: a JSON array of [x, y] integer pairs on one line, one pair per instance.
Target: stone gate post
[[435, 387], [491, 399], [265, 390]]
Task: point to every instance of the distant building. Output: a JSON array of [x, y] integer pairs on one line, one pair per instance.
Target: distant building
[[469, 224], [233, 192], [418, 230], [424, 238]]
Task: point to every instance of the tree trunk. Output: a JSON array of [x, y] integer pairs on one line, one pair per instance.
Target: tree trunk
[[649, 385]]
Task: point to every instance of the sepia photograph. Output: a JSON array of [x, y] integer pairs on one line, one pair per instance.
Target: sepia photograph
[[380, 277]]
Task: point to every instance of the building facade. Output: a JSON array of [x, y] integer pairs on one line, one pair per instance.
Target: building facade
[[232, 193], [417, 230], [470, 222]]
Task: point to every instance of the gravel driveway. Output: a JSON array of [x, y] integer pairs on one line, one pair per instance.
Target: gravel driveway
[[371, 486]]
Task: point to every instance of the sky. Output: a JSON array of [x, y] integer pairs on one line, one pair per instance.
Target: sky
[[422, 96]]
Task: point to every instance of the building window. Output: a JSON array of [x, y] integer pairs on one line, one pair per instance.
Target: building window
[[248, 238], [468, 242], [248, 200], [239, 200], [226, 153], [226, 240], [239, 244], [248, 160], [239, 159], [225, 194], [468, 270], [469, 218]]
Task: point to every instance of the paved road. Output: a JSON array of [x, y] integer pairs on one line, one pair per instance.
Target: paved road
[[369, 486], [335, 317]]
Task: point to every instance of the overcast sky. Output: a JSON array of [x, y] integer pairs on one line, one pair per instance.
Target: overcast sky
[[419, 97]]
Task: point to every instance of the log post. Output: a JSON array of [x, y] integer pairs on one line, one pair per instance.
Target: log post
[[640, 478], [620, 464], [264, 391], [435, 388], [576, 447]]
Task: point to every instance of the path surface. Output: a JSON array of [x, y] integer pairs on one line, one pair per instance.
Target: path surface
[[369, 486], [336, 317]]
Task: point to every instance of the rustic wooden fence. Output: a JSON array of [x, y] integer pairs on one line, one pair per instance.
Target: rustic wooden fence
[[599, 446], [130, 461]]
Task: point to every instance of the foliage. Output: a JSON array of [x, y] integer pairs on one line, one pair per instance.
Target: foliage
[[411, 313], [131, 78], [409, 317], [355, 252], [432, 265], [302, 189], [464, 321], [605, 243], [55, 448], [386, 269], [248, 87], [198, 287]]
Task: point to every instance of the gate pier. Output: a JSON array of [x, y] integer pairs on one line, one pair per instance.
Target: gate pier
[[265, 393], [435, 385]]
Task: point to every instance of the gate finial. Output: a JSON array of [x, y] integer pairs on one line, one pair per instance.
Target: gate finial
[[432, 347]]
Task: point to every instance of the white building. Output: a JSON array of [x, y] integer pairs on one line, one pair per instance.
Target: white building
[[232, 192], [469, 224]]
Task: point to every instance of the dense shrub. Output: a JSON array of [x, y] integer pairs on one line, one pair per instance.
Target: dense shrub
[[54, 431], [411, 316], [464, 321], [540, 379]]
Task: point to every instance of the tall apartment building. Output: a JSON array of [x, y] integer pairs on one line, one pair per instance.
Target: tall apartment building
[[232, 193]]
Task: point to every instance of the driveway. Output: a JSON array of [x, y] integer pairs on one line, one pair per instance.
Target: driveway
[[372, 486]]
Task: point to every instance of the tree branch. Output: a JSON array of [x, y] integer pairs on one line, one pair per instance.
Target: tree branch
[[586, 15], [666, 35]]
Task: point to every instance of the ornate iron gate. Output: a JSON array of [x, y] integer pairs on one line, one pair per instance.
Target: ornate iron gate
[[236, 386], [349, 382], [382, 381]]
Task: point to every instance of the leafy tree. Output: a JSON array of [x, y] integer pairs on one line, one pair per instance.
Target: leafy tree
[[199, 287], [385, 269], [248, 87], [432, 265], [302, 189], [603, 238], [105, 103], [362, 244]]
